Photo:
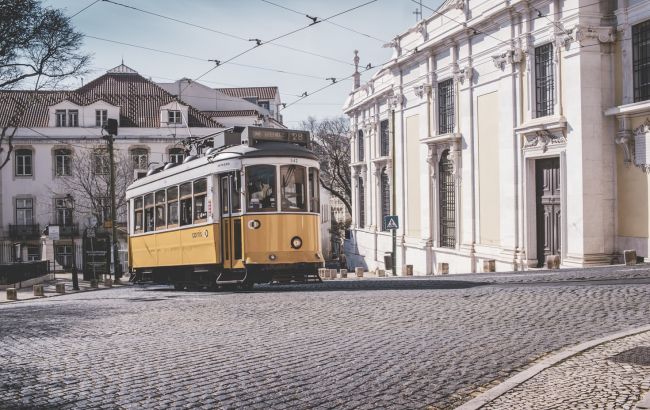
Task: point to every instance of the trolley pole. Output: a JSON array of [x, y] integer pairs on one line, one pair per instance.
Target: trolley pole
[[111, 129]]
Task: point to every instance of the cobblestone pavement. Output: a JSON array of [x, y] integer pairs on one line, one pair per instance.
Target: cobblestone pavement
[[392, 343], [614, 375]]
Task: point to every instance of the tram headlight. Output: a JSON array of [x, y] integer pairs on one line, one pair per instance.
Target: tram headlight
[[254, 224], [272, 257], [296, 242]]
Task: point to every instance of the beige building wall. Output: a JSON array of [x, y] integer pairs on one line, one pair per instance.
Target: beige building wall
[[488, 164], [632, 193], [414, 227]]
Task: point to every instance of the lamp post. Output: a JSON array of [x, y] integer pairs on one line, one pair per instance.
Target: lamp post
[[75, 277]]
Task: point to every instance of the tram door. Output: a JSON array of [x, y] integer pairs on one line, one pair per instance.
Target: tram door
[[231, 221]]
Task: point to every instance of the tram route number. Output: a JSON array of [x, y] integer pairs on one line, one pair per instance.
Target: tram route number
[[200, 234]]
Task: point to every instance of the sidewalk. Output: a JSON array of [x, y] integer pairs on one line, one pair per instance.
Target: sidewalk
[[609, 373], [49, 287]]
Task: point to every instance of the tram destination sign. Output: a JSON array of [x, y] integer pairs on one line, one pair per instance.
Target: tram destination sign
[[260, 134]]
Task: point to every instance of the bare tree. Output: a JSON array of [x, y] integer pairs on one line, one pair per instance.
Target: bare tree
[[39, 45], [331, 144], [89, 182]]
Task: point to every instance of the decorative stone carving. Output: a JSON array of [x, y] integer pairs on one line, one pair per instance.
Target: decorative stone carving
[[464, 74], [422, 90], [500, 60], [642, 146], [602, 34], [562, 39], [396, 100], [543, 139], [513, 56], [626, 140], [452, 4], [431, 160], [395, 45]]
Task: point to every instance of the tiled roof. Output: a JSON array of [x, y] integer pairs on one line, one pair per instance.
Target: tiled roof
[[262, 93], [138, 98], [233, 113]]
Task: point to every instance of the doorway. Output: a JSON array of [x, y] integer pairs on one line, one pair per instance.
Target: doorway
[[548, 204]]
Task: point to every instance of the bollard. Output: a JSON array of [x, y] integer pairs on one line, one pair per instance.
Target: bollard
[[332, 273], [12, 294], [443, 268], [629, 257], [321, 273], [60, 288], [343, 273], [38, 290], [358, 272], [408, 270], [94, 284], [108, 282], [489, 265], [381, 273], [553, 261]]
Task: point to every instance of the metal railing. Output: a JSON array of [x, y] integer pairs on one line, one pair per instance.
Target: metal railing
[[24, 231], [21, 271]]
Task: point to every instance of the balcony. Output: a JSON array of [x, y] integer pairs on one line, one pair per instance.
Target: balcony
[[66, 231], [24, 232]]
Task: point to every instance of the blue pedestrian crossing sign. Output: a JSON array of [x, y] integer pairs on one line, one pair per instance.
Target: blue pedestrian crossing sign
[[391, 222]]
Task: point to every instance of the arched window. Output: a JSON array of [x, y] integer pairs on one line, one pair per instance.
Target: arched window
[[140, 158], [385, 194], [384, 147], [447, 206], [23, 162], [360, 144], [362, 204], [176, 155]]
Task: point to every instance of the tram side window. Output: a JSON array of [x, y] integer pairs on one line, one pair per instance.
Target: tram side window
[[161, 222], [314, 190], [148, 213], [236, 192], [200, 196], [172, 207], [186, 203], [293, 188], [260, 188], [224, 196], [137, 214]]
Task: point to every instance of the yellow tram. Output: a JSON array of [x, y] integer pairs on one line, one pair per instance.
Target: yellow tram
[[245, 212]]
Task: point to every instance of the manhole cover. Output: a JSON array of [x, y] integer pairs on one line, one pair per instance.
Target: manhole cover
[[638, 355]]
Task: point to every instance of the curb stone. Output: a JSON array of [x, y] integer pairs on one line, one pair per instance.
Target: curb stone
[[521, 377]]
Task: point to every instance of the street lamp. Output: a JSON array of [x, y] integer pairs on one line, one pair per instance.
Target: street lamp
[[75, 277]]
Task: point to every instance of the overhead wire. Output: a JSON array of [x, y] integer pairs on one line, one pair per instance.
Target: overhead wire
[[84, 9]]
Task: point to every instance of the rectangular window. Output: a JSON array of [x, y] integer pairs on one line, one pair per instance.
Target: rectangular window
[[200, 196], [176, 155], [314, 190], [23, 162], [63, 212], [140, 158], [73, 118], [641, 60], [60, 118], [260, 188], [362, 204], [384, 139], [138, 215], [544, 80], [100, 117], [64, 255], [385, 195], [160, 220], [148, 213], [174, 117], [446, 106], [101, 162], [33, 253], [293, 188], [360, 145], [172, 207], [24, 211], [235, 191], [63, 161], [186, 204]]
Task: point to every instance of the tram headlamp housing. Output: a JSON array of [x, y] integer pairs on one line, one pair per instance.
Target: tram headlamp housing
[[254, 224], [296, 242], [272, 257]]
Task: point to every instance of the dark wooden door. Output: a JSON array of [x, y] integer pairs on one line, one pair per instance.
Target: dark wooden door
[[547, 182]]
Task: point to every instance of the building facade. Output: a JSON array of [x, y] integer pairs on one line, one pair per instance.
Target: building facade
[[505, 131]]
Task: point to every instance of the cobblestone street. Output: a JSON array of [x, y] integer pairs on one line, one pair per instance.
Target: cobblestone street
[[394, 343]]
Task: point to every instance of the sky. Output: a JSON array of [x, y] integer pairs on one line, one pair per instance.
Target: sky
[[289, 63]]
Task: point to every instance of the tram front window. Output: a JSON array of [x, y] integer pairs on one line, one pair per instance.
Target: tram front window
[[148, 213], [137, 214], [260, 188], [293, 185], [200, 192]]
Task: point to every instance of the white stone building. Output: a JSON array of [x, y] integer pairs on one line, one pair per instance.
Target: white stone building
[[506, 131]]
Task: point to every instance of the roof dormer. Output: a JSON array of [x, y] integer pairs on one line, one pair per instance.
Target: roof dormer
[[173, 114]]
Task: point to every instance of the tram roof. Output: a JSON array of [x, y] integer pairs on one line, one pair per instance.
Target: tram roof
[[262, 149]]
